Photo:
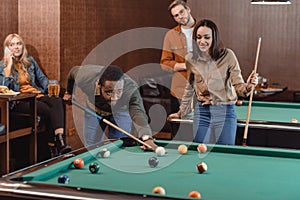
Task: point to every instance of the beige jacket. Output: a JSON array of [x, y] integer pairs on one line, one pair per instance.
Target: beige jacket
[[214, 82]]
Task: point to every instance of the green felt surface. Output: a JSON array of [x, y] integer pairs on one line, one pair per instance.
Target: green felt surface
[[233, 172], [269, 111]]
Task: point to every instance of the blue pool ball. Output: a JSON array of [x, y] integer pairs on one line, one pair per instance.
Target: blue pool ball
[[153, 161], [63, 179], [94, 167]]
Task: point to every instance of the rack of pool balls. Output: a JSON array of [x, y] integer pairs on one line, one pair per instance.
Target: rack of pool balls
[[153, 161]]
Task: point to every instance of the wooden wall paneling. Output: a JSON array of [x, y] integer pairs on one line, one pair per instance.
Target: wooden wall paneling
[[39, 27], [8, 20], [73, 23], [241, 24]]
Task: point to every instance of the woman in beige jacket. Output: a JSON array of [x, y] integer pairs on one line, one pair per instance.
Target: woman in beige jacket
[[214, 75]]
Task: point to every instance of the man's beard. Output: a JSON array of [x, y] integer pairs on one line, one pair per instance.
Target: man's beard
[[102, 103], [188, 20]]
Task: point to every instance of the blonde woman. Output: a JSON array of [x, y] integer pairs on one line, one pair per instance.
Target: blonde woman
[[21, 73]]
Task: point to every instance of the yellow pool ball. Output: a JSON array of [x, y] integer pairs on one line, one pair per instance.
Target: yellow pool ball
[[294, 120], [182, 149]]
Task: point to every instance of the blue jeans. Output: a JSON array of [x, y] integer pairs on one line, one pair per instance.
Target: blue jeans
[[215, 124], [94, 129]]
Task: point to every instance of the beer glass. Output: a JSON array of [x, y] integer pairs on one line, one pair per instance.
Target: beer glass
[[53, 88]]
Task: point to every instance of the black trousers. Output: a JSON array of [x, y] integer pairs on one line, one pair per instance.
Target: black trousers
[[51, 108], [175, 103]]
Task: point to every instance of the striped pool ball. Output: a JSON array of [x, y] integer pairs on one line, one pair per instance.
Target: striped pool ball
[[94, 167], [159, 190], [202, 167], [78, 163], [64, 179]]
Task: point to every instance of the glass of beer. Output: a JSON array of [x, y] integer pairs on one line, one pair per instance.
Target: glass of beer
[[53, 88]]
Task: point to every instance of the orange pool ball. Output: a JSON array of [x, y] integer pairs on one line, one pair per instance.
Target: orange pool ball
[[195, 194], [239, 102], [78, 163], [159, 190], [202, 148]]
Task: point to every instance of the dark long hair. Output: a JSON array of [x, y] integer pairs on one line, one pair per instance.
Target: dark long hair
[[217, 49]]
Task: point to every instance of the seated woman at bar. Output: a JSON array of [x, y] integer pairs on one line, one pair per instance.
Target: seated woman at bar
[[21, 73]]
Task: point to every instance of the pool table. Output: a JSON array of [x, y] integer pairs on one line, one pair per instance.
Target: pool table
[[270, 125], [234, 172]]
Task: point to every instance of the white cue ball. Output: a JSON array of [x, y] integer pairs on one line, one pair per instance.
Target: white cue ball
[[160, 151]]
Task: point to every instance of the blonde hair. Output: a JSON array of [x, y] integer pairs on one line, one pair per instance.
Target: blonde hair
[[23, 59]]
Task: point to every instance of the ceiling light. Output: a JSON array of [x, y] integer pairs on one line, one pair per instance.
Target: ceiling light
[[270, 2]]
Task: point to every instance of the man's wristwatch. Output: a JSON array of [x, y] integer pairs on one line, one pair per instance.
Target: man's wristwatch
[[146, 137]]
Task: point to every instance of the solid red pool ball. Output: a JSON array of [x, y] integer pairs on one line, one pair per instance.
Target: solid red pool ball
[[202, 148], [94, 167], [195, 194], [182, 149], [78, 163], [239, 102], [63, 179], [159, 190], [202, 167], [153, 161]]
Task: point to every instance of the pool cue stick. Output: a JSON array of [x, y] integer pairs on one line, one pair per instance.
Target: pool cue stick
[[251, 97], [109, 123]]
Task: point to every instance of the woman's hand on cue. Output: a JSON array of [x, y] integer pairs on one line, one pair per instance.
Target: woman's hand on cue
[[253, 78], [174, 116]]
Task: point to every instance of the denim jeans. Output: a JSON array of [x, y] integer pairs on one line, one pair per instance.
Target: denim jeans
[[215, 124], [94, 129]]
